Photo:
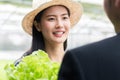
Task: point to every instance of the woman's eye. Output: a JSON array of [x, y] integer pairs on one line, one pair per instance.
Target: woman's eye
[[51, 19], [65, 18]]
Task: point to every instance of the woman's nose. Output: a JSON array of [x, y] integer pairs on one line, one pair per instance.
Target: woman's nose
[[59, 23]]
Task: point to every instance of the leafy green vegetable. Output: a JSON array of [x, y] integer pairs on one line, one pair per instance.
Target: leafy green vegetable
[[36, 66]]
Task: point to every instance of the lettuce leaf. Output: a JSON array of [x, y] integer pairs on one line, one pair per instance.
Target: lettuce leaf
[[36, 66]]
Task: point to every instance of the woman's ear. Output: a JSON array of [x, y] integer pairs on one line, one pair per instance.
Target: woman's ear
[[37, 26]]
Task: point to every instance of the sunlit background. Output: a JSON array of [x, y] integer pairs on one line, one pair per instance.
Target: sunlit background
[[93, 26]]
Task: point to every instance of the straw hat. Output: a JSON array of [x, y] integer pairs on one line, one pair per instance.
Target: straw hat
[[39, 5]]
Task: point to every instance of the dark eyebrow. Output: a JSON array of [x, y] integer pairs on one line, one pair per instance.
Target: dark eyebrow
[[65, 14], [54, 15], [49, 15]]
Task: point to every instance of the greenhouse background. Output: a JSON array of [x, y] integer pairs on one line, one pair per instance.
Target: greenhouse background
[[93, 26]]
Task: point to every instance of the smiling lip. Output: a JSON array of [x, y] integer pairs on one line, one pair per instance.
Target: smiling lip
[[58, 33]]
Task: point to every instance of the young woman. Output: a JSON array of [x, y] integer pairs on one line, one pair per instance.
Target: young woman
[[49, 24]]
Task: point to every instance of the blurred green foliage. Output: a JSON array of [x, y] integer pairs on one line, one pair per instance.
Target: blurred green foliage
[[22, 3], [2, 72], [93, 10]]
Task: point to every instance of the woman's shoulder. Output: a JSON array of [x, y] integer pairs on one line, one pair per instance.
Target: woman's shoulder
[[19, 59]]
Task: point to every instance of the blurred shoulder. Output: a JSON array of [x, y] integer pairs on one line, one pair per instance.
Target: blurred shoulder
[[96, 46]]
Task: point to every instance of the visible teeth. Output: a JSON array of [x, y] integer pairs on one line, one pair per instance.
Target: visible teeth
[[58, 32]]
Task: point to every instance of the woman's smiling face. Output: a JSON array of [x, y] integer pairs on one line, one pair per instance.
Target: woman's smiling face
[[55, 24]]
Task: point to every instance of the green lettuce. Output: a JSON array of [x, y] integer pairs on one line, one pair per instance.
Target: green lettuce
[[36, 66]]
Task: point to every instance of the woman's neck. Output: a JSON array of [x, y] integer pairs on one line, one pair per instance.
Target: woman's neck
[[55, 52]]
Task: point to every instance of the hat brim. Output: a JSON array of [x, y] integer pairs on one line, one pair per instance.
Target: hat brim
[[74, 7]]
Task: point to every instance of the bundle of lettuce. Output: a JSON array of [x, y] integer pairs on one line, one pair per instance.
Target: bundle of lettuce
[[36, 66]]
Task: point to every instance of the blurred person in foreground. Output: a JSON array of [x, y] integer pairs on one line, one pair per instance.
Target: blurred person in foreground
[[99, 60]]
